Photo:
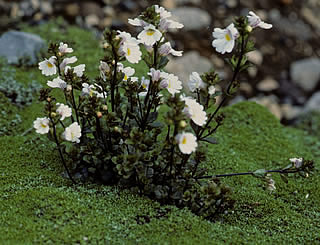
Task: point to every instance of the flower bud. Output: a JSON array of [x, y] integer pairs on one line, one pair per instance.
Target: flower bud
[[53, 114], [116, 129], [105, 107], [48, 99], [69, 88], [105, 45], [99, 114], [183, 124], [248, 28]]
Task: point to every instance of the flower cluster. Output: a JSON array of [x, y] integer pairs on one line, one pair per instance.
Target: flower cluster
[[142, 131]]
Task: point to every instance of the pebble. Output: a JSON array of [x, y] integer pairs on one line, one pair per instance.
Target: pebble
[[306, 73], [313, 104], [255, 57], [246, 87], [268, 84], [191, 61], [290, 112], [192, 18], [311, 17], [16, 46]]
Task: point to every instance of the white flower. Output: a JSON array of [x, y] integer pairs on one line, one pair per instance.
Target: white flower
[[131, 52], [73, 133], [78, 70], [67, 61], [92, 89], [41, 125], [194, 111], [87, 89], [137, 22], [187, 142], [155, 74], [57, 83], [63, 48], [172, 81], [166, 49], [195, 82], [128, 72], [162, 11], [225, 38], [166, 24], [104, 68], [48, 67], [211, 90], [127, 38], [297, 162], [255, 21], [150, 35], [63, 110]]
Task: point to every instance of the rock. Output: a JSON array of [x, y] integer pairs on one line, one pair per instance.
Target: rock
[[191, 61], [297, 29], [252, 71], [311, 17], [183, 2], [290, 112], [72, 9], [268, 84], [169, 4], [306, 73], [246, 87], [128, 5], [16, 46], [92, 20], [90, 9], [255, 57], [313, 104], [46, 8], [232, 3], [192, 18], [270, 102]]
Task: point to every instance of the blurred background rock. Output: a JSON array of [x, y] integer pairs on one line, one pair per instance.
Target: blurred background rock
[[286, 74]]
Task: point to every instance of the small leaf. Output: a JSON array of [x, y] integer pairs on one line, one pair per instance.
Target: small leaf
[[284, 178], [210, 140], [260, 173]]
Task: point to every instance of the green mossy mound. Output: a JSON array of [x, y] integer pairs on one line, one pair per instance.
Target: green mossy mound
[[39, 206]]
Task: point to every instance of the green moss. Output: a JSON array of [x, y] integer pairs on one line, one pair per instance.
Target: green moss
[[39, 206]]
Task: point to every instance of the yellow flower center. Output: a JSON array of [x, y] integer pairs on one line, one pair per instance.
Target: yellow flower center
[[49, 65], [144, 85], [150, 32], [72, 135], [43, 125], [128, 51], [184, 141], [125, 77], [169, 84], [228, 37]]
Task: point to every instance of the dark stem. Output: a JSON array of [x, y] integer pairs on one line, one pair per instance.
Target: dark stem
[[113, 82]]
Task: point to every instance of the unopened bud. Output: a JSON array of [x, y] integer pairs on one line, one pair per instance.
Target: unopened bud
[[117, 38], [69, 88], [183, 124], [116, 129], [99, 114], [53, 114], [105, 107], [60, 54], [48, 99], [113, 62], [105, 45], [249, 28]]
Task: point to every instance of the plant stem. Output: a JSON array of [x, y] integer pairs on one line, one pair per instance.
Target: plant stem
[[113, 82]]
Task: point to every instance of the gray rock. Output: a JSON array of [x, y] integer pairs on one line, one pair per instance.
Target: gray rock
[[191, 61], [192, 18], [268, 84], [306, 73], [313, 104], [16, 46]]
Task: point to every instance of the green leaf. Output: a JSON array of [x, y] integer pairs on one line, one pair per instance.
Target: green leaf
[[284, 178], [260, 173], [210, 140]]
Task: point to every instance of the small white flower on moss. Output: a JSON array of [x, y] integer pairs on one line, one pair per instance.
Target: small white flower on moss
[[41, 125], [172, 81], [63, 110], [225, 38], [194, 111], [187, 142], [150, 35], [166, 49], [195, 82], [73, 133], [57, 83], [297, 162], [63, 48], [48, 66], [255, 21]]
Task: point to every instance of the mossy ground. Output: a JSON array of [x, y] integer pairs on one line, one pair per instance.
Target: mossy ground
[[39, 206]]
